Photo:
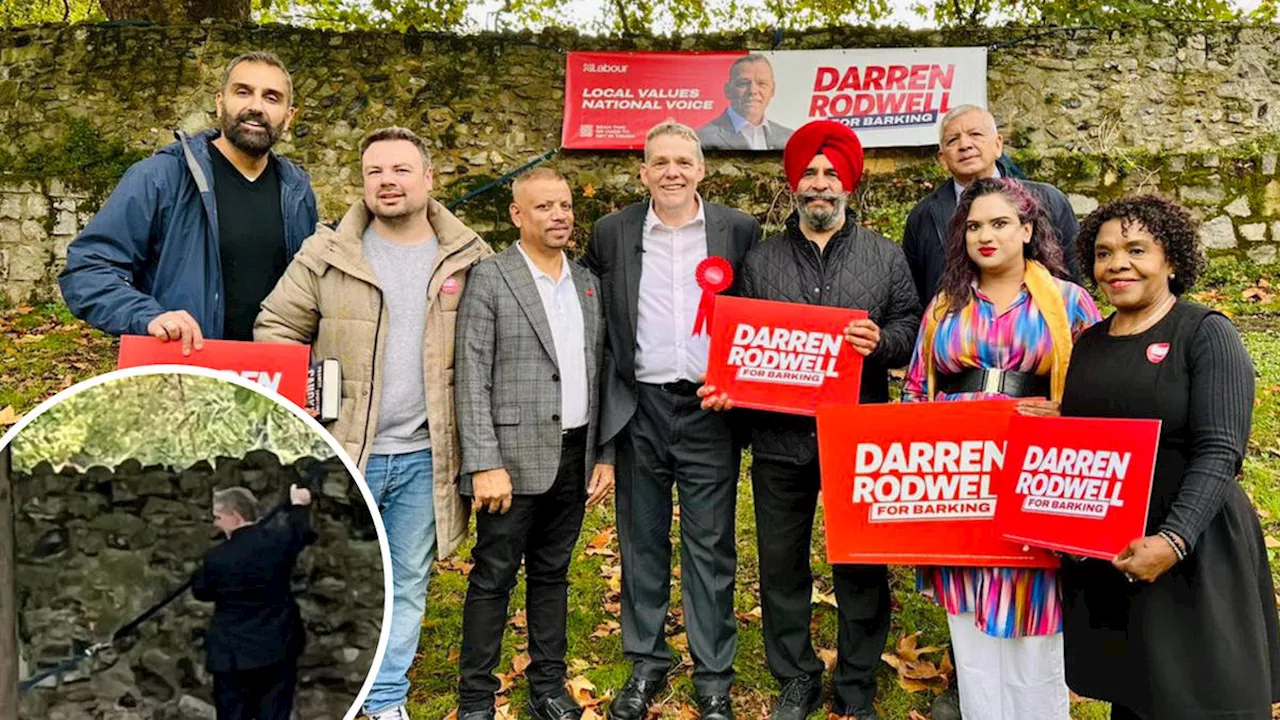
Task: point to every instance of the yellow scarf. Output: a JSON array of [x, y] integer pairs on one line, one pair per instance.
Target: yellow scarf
[[1048, 300]]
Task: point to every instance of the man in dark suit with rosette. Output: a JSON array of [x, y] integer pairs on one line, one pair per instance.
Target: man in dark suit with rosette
[[648, 257]]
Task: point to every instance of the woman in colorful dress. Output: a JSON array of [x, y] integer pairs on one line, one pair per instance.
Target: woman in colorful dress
[[1182, 624], [1002, 325]]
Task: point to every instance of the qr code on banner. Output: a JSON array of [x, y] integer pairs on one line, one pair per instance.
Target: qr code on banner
[[586, 131]]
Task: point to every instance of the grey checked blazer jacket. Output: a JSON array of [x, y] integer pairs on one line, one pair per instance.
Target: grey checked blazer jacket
[[507, 378]]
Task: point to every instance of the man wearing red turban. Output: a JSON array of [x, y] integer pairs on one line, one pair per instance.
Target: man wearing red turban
[[822, 257]]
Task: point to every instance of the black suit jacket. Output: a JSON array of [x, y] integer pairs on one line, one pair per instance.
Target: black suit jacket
[[926, 232], [256, 622], [614, 256]]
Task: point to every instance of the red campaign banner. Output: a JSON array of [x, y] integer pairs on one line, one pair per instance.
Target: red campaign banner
[[612, 99], [785, 357], [914, 484], [281, 367], [1078, 485]]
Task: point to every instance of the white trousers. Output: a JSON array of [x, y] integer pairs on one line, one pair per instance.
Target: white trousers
[[1008, 678]]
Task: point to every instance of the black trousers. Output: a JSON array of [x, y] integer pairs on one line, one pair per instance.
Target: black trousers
[[264, 693], [541, 530], [786, 496], [672, 440]]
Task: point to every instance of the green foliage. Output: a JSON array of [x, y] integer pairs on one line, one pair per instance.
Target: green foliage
[[17, 13], [340, 15], [1064, 13], [172, 419]]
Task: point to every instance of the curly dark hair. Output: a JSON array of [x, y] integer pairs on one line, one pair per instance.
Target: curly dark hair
[[1173, 227], [960, 271]]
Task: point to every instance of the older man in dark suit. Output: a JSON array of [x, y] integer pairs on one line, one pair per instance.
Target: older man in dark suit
[[256, 634], [647, 256], [743, 125], [970, 147], [530, 340]]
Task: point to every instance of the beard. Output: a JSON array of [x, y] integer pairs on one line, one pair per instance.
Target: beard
[[822, 219], [249, 142]]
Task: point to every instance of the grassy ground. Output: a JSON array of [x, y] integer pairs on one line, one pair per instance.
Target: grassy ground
[[44, 350]]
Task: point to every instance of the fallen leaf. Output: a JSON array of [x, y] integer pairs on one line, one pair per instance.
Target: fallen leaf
[[8, 416], [605, 629], [687, 712], [453, 715], [579, 665], [519, 620], [679, 641], [1271, 542], [828, 658], [503, 711], [28, 339], [915, 715], [821, 598], [454, 654], [599, 544], [589, 713], [915, 673], [753, 615], [583, 691], [519, 663], [588, 190]]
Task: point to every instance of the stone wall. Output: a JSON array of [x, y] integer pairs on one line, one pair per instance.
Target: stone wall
[[96, 548], [1182, 108]]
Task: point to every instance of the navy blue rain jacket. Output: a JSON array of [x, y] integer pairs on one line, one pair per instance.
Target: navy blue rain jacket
[[153, 247]]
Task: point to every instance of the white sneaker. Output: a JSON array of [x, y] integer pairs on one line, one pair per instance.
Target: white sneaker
[[392, 713]]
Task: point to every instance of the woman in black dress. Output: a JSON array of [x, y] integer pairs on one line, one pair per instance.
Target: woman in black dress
[[1182, 624]]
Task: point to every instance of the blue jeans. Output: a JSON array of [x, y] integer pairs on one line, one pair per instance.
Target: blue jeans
[[402, 487]]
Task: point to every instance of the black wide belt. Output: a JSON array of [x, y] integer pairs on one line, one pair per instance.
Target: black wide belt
[[1003, 382]]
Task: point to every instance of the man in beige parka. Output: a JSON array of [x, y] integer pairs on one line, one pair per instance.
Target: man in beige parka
[[380, 294]]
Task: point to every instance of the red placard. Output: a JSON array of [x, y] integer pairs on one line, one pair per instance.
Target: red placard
[[281, 367], [914, 484], [612, 99], [1079, 485], [786, 357]]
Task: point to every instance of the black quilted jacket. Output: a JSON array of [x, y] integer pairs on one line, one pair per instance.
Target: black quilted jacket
[[857, 269]]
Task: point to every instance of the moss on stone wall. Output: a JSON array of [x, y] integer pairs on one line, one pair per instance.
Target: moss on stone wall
[[80, 157]]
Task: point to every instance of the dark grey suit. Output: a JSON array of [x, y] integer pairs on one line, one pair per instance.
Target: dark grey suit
[[924, 238], [508, 381], [663, 437], [509, 404], [719, 135]]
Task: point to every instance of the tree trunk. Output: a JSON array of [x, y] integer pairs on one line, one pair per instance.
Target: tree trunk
[[8, 596]]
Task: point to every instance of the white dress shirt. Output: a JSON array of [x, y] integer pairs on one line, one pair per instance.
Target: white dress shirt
[[564, 314], [754, 134], [666, 348]]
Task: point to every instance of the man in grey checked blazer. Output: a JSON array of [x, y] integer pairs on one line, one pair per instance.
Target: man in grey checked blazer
[[530, 340]]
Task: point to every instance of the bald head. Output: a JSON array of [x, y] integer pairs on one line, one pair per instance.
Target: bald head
[[542, 209], [969, 143]]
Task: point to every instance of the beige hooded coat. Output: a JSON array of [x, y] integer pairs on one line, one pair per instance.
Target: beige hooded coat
[[329, 298]]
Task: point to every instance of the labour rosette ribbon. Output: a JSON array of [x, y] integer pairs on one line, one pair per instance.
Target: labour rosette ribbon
[[714, 275]]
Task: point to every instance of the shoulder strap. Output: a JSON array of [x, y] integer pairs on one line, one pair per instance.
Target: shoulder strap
[[1048, 299]]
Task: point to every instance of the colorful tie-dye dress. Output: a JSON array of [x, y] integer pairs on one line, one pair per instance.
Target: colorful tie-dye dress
[[1006, 602]]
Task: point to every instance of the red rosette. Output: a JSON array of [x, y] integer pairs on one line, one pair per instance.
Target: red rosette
[[714, 275]]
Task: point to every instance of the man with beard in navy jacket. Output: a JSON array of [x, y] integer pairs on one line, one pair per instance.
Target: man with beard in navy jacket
[[194, 237]]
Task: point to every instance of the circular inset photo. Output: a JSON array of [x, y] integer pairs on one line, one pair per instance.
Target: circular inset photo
[[180, 545]]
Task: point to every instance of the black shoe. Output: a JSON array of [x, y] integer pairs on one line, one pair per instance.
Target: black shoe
[[486, 714], [559, 707], [798, 699], [946, 706], [715, 707], [633, 699]]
